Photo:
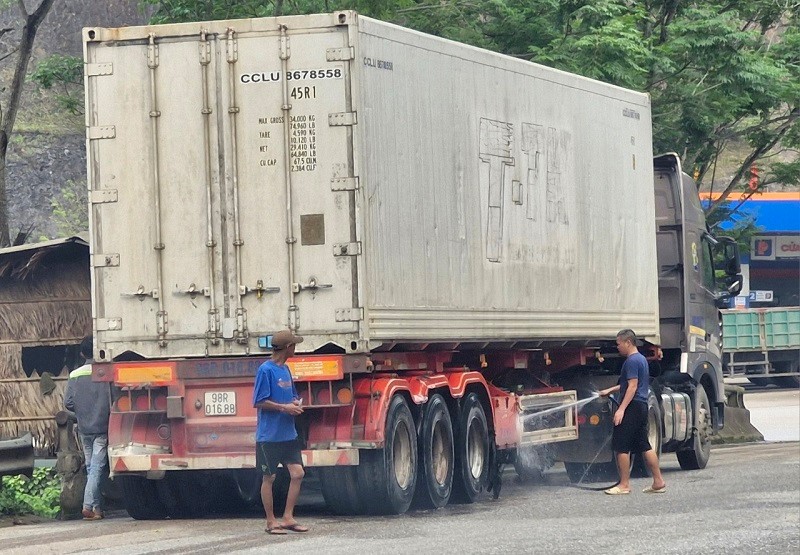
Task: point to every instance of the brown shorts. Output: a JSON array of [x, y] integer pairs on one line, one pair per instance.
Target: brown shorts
[[631, 435], [270, 454]]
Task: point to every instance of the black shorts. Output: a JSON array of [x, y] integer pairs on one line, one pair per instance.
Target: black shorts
[[631, 435], [270, 454]]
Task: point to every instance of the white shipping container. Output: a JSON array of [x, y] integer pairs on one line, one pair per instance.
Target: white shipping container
[[434, 192]]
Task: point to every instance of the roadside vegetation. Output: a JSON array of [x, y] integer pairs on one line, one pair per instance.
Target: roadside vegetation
[[38, 495]]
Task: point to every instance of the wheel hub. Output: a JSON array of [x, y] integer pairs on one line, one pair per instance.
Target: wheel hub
[[440, 454], [401, 452], [476, 455]]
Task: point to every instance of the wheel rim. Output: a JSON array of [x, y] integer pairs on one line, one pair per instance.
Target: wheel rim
[[652, 433], [476, 453], [440, 453], [401, 451], [703, 422]]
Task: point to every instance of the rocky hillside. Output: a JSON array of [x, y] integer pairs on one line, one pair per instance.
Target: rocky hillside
[[47, 150]]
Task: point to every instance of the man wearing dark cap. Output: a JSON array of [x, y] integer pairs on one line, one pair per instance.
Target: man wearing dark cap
[[277, 401], [91, 403]]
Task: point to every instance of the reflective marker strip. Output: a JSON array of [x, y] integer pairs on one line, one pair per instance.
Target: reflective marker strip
[[140, 374], [84, 370]]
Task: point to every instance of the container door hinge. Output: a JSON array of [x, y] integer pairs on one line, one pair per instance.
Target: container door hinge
[[105, 260], [349, 314], [102, 196], [101, 132], [340, 54], [347, 249], [152, 52], [108, 324], [344, 184], [342, 119], [94, 70]]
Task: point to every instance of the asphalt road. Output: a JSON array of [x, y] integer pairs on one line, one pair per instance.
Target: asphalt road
[[775, 412], [746, 501]]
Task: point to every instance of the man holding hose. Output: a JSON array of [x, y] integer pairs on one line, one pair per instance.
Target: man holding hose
[[630, 419]]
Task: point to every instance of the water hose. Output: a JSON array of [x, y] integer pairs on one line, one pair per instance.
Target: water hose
[[595, 488]]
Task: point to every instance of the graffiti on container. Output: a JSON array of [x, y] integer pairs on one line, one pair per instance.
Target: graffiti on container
[[544, 152]]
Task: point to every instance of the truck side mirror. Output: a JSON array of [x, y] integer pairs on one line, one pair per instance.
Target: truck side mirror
[[733, 284], [730, 251]]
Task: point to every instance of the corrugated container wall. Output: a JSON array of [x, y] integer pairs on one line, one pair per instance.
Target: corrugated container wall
[[434, 192]]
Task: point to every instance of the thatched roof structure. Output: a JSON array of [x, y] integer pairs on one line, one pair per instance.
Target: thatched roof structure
[[45, 311]]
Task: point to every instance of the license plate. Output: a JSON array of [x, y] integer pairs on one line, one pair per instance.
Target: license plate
[[220, 403]]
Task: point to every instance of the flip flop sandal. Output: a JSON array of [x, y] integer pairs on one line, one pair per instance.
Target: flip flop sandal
[[616, 490], [295, 527], [651, 489], [276, 531]]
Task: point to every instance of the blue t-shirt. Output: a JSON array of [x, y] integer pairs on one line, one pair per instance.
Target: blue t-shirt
[[635, 366], [274, 383]]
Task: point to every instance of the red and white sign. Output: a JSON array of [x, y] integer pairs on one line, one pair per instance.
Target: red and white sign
[[775, 247]]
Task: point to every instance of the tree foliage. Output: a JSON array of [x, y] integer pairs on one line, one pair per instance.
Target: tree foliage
[[722, 75], [21, 49], [64, 73], [70, 209]]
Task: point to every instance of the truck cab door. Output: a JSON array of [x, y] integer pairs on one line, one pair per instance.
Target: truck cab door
[[687, 293]]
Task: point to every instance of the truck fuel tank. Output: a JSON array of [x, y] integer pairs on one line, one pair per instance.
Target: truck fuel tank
[[677, 421]]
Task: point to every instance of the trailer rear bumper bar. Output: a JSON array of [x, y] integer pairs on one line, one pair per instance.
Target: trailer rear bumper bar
[[121, 463]]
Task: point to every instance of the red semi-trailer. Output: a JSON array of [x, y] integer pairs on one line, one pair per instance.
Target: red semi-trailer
[[457, 234]]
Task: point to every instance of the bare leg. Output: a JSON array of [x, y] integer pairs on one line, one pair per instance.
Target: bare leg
[[266, 499], [651, 460], [624, 468], [296, 474]]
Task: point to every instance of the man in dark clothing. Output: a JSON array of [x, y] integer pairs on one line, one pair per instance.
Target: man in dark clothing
[[630, 419], [91, 403], [277, 401]]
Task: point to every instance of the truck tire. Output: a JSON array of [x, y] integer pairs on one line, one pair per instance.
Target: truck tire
[[340, 489], [436, 455], [597, 472], [141, 498], [471, 451], [788, 382], [247, 485], [760, 381], [696, 457], [388, 476], [280, 490], [190, 494], [654, 435]]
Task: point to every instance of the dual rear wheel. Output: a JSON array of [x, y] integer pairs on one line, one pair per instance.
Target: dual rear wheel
[[441, 457], [180, 494]]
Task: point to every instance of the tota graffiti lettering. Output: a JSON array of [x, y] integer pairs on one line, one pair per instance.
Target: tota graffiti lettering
[[544, 162]]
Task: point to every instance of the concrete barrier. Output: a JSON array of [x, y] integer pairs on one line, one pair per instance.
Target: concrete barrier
[[738, 428]]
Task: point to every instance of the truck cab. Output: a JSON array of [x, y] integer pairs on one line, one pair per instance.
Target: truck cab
[[697, 274]]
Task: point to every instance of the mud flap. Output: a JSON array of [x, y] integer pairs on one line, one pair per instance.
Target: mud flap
[[719, 416], [497, 461]]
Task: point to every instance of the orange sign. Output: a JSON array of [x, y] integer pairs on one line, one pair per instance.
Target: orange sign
[[144, 373], [316, 368]]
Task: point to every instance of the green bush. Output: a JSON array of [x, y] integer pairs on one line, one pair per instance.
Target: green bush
[[38, 495]]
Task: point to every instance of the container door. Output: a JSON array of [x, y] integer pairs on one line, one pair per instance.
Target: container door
[[154, 193], [294, 165]]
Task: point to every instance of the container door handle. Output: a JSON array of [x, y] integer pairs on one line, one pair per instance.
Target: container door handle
[[312, 285]]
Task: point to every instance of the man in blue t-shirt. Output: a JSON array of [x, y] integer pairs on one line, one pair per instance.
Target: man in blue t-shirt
[[277, 401], [630, 419]]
